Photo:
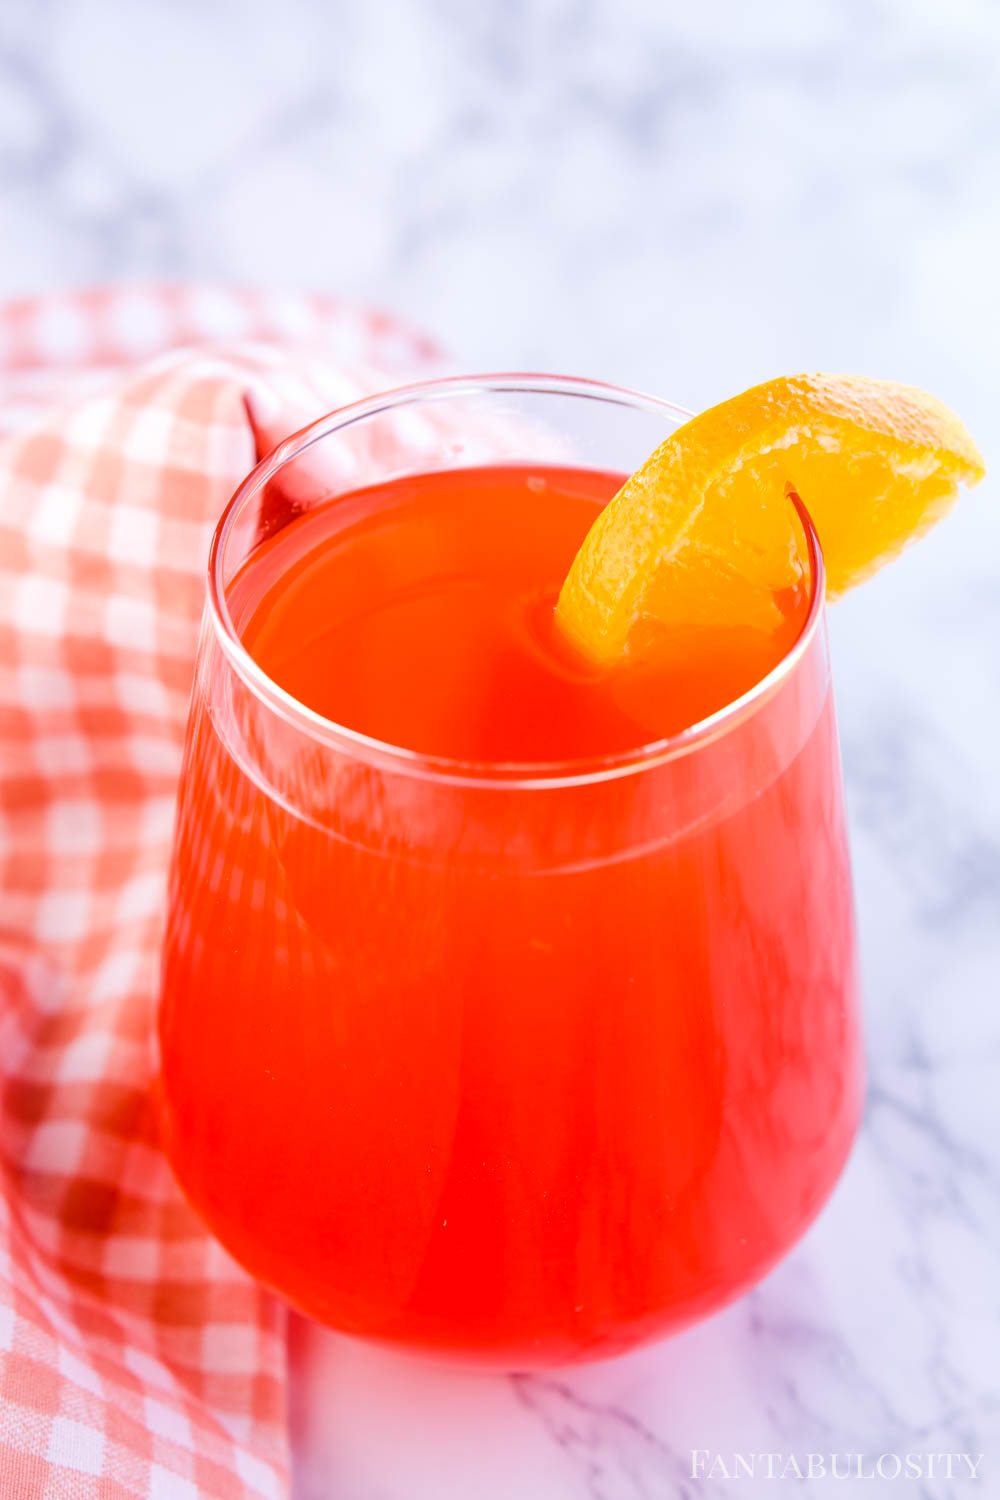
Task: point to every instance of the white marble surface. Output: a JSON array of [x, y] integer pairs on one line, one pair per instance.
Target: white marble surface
[[687, 197]]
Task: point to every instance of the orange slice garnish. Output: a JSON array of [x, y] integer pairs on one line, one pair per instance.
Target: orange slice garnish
[[704, 531]]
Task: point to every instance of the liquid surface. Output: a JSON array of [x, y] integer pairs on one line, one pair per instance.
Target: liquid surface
[[518, 1075], [420, 613]]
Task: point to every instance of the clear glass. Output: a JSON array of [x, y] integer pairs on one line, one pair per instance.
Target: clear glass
[[517, 1063]]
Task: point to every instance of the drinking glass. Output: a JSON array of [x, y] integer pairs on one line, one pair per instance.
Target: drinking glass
[[518, 1064]]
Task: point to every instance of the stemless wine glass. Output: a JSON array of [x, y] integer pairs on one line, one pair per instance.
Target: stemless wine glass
[[517, 1063]]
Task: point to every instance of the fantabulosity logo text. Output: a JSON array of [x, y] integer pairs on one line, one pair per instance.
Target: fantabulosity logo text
[[706, 1464]]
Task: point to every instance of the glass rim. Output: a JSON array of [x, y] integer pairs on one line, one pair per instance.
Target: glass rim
[[526, 775]]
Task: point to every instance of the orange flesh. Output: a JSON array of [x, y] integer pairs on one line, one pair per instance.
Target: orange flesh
[[703, 530]]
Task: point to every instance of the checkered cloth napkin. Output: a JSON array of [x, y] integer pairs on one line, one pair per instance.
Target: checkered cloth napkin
[[136, 1359]]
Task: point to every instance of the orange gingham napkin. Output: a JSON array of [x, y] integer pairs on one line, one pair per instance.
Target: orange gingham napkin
[[136, 1359]]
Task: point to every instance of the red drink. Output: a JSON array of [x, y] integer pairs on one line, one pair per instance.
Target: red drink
[[531, 1043]]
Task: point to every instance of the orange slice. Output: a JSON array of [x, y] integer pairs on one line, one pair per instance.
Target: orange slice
[[705, 533]]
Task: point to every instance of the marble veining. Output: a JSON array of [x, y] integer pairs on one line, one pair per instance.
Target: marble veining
[[686, 197]]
